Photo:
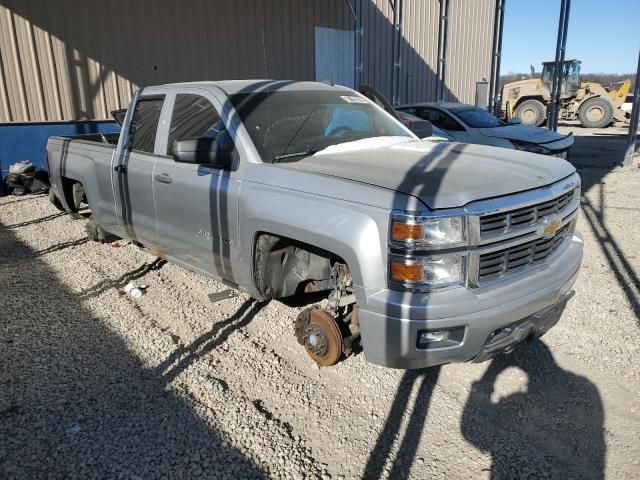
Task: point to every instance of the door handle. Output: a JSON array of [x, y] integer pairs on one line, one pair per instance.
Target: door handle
[[164, 178], [120, 168]]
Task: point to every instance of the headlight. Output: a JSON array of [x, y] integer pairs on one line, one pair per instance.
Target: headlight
[[530, 147], [415, 231], [427, 272]]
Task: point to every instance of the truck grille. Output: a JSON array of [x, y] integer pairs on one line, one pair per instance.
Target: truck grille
[[522, 217], [510, 259]]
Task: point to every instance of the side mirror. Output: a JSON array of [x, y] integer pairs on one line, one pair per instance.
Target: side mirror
[[515, 121], [204, 150]]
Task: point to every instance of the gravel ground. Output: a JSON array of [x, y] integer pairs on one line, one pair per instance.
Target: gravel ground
[[96, 384]]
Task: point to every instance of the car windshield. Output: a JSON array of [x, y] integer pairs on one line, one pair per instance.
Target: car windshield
[[290, 124], [476, 117]]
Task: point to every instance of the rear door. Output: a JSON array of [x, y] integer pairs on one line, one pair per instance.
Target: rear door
[[133, 172], [197, 204]]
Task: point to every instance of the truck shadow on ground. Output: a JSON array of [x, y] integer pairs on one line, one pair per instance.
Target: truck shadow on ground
[[26, 198], [186, 355], [60, 246], [75, 402], [426, 379], [36, 221], [120, 282]]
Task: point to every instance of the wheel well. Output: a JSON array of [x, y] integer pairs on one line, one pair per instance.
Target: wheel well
[[283, 267], [593, 97], [68, 192], [524, 99]]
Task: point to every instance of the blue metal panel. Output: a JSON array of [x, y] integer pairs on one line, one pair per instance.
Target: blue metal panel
[[27, 141]]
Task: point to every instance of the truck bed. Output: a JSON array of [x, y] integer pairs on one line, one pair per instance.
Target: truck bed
[[84, 159], [103, 138]]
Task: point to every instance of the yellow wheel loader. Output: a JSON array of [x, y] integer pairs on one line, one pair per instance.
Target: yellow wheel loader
[[590, 102]]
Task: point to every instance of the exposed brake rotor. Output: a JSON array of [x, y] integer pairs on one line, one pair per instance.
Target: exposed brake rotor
[[317, 330]]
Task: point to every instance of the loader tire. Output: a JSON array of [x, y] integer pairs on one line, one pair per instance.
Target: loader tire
[[531, 112], [595, 113]]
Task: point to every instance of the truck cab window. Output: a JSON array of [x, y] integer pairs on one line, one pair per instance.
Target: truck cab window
[[194, 117], [146, 115]]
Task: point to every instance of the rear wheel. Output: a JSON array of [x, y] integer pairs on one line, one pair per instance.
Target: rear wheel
[[595, 113], [78, 196], [55, 201], [96, 233], [531, 112]]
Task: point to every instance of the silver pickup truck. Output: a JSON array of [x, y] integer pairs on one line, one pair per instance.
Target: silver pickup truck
[[422, 253]]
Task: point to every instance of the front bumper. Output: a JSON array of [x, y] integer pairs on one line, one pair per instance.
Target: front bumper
[[390, 321], [505, 339]]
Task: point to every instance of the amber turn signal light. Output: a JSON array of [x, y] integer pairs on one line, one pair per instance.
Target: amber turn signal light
[[403, 272], [406, 231]]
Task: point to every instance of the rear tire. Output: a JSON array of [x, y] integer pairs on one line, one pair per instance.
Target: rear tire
[[595, 113], [78, 196], [55, 201], [531, 112], [96, 233]]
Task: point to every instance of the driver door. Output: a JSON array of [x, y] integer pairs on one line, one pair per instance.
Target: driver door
[[197, 203]]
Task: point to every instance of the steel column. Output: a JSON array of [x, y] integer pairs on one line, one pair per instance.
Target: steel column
[[494, 81], [633, 121], [563, 24], [396, 51], [356, 13], [442, 49]]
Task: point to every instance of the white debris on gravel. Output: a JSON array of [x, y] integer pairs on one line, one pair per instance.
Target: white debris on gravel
[[97, 384]]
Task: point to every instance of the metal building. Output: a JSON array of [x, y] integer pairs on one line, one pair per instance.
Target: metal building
[[74, 60]]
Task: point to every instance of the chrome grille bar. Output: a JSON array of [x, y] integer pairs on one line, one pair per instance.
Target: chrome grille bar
[[496, 264], [500, 223]]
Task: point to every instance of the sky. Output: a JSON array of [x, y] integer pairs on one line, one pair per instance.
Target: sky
[[605, 35]]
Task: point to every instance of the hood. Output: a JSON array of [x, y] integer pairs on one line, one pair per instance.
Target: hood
[[441, 175], [524, 133]]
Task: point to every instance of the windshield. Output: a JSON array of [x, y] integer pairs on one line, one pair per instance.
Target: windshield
[[477, 118], [282, 124]]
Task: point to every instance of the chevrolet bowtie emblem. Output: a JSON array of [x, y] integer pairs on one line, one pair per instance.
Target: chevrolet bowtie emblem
[[549, 228]]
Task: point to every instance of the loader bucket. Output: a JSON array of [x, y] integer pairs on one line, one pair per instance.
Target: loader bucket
[[617, 96]]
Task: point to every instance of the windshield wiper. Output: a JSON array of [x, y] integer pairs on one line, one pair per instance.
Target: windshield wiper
[[286, 156]]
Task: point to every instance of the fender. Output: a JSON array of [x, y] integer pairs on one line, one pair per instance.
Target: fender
[[349, 231], [87, 163]]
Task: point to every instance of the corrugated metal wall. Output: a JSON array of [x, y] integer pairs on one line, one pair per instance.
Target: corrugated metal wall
[[420, 51], [75, 59], [468, 50], [469, 47]]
